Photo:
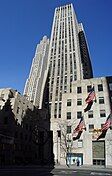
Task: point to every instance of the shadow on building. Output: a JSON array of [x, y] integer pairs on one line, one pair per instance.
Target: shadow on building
[[28, 143]]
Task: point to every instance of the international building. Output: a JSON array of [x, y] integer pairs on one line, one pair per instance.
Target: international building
[[34, 87], [70, 80]]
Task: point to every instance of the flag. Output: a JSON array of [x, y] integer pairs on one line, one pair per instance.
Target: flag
[[89, 100], [105, 127], [88, 106], [78, 136], [79, 129], [91, 96]]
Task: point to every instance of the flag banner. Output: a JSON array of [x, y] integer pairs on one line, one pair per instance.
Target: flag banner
[[79, 129], [91, 96], [88, 106], [105, 127], [89, 100], [102, 135], [78, 136]]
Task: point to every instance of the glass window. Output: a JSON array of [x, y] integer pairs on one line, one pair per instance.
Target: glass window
[[102, 113], [91, 128], [80, 143], [68, 129], [69, 102], [100, 87], [101, 100], [79, 114], [90, 114], [18, 110], [79, 90], [110, 86], [79, 101], [68, 115], [89, 88]]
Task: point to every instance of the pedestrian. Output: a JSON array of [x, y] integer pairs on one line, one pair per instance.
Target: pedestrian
[[78, 162]]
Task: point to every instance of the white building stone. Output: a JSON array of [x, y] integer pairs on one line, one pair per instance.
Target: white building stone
[[34, 87], [19, 103], [83, 148]]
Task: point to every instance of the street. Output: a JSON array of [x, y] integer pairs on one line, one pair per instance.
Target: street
[[45, 171]]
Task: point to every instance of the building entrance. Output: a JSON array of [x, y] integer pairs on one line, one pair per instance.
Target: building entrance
[[75, 158], [98, 148]]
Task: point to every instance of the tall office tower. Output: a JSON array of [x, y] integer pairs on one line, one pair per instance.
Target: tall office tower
[[69, 59], [69, 56], [34, 87]]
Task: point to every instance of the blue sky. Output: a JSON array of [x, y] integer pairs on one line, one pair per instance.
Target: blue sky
[[23, 23]]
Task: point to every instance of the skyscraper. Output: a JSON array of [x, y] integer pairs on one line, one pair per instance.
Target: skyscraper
[[69, 56], [69, 61], [34, 87]]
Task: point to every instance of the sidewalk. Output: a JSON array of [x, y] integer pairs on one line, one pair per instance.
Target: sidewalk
[[85, 167]]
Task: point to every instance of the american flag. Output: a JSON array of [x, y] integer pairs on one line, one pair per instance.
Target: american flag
[[80, 126], [108, 123], [105, 127], [91, 96], [79, 129]]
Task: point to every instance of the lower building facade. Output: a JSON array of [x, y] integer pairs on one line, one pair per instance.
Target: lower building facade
[[25, 136], [86, 150]]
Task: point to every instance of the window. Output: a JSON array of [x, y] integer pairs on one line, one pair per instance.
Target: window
[[79, 101], [89, 88], [68, 129], [79, 114], [79, 90], [110, 86], [102, 113], [68, 115], [90, 114], [80, 143], [101, 100], [69, 102], [91, 127], [59, 133], [18, 110], [2, 96], [100, 87]]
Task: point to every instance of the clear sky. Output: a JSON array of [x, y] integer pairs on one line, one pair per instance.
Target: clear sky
[[23, 23]]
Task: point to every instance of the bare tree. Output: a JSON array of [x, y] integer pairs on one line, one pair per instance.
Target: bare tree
[[66, 139]]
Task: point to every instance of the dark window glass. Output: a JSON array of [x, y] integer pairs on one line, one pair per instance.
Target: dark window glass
[[102, 113], [79, 101], [79, 90], [69, 102], [100, 87], [68, 115], [89, 88], [90, 114], [91, 127], [79, 114], [101, 100], [68, 129]]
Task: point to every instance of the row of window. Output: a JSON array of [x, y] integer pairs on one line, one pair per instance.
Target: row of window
[[79, 101], [90, 114], [89, 87]]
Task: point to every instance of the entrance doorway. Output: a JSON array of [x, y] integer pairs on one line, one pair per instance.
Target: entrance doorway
[[98, 148], [72, 158]]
